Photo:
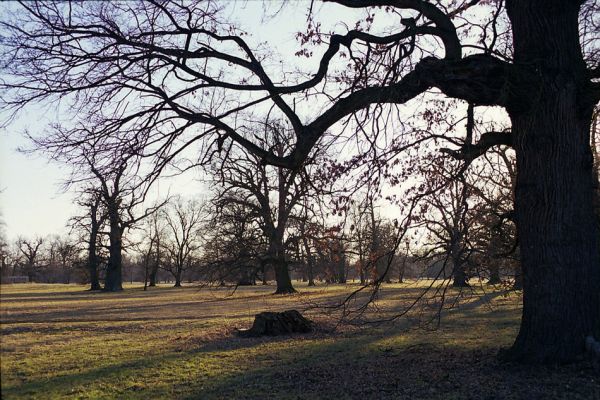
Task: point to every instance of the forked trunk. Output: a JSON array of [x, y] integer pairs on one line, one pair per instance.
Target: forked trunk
[[553, 196]]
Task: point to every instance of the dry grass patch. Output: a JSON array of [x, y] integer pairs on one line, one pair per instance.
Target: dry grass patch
[[60, 341]]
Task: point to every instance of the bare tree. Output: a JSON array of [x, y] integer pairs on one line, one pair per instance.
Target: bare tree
[[449, 221], [64, 252], [184, 222], [119, 215], [235, 247], [156, 230], [31, 251], [495, 241], [90, 226], [117, 186], [272, 193]]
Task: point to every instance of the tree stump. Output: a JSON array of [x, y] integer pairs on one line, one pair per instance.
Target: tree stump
[[277, 323]]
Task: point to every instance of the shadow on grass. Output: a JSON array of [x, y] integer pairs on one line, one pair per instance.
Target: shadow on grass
[[458, 362], [420, 371], [316, 366], [111, 377]]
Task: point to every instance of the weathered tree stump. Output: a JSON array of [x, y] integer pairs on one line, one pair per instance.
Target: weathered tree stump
[[277, 323]]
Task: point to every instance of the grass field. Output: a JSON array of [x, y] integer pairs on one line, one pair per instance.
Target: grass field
[[60, 341]]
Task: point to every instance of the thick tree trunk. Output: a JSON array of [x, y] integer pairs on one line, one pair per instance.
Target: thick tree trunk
[[311, 275], [177, 278], [459, 276], [114, 279], [94, 280], [282, 277], [458, 266], [152, 275], [553, 197], [93, 260], [494, 275], [30, 273], [277, 257]]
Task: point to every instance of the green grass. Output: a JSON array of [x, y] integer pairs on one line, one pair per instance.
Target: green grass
[[60, 341]]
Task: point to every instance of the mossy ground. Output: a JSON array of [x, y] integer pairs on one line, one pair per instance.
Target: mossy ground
[[61, 341]]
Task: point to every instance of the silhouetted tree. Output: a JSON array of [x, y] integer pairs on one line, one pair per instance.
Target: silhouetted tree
[[184, 222], [30, 250], [90, 225]]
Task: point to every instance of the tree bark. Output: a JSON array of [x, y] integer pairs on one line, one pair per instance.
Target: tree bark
[[277, 257], [553, 196], [114, 279], [93, 263], [282, 277]]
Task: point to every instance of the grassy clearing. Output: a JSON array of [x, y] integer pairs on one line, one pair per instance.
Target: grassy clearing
[[60, 341]]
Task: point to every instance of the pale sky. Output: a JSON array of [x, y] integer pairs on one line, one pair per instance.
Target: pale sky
[[31, 200]]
